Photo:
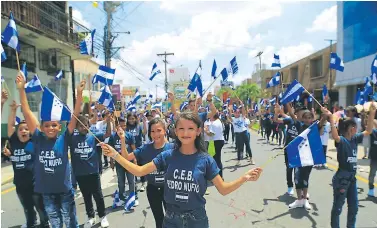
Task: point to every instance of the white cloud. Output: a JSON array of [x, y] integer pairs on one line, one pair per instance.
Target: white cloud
[[325, 21], [77, 16]]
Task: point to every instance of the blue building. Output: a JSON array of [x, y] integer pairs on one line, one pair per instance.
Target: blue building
[[356, 45]]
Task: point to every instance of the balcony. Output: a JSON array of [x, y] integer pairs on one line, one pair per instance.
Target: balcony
[[37, 21]]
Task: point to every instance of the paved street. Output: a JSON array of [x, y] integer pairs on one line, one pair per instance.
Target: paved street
[[255, 204]]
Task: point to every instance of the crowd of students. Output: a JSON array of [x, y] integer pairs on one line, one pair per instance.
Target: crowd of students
[[170, 155]]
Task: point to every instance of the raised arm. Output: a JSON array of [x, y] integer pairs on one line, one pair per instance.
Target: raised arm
[[12, 117], [4, 98], [334, 131], [77, 110], [212, 107], [277, 112], [290, 111], [30, 119], [171, 99], [131, 167], [372, 113]]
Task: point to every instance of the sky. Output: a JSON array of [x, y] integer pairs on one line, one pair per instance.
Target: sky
[[206, 31]]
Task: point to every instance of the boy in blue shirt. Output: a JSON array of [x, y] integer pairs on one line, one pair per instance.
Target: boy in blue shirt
[[51, 164]]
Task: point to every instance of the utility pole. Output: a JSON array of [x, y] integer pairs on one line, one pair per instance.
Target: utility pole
[[156, 92], [330, 40], [260, 66], [166, 73]]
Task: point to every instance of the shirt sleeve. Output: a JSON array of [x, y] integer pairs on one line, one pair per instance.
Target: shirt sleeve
[[359, 137], [111, 140], [211, 170], [138, 152], [36, 134], [100, 136], [130, 139], [160, 161], [287, 120], [203, 116]]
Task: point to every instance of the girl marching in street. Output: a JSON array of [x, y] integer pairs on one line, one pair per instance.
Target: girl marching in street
[[187, 168], [344, 180]]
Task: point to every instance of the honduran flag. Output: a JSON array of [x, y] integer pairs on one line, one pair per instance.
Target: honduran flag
[[105, 75], [52, 108], [306, 149]]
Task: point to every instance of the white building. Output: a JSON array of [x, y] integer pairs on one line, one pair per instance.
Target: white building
[[178, 74], [356, 45]]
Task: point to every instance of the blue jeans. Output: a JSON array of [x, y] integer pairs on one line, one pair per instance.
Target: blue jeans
[[61, 208], [191, 219], [121, 174], [344, 186]]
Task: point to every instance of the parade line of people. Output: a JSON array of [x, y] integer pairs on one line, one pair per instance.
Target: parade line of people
[[175, 155]]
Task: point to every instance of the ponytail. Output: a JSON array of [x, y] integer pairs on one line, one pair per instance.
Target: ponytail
[[345, 124]]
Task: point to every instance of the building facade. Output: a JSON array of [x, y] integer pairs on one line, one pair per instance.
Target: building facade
[[357, 46], [48, 44]]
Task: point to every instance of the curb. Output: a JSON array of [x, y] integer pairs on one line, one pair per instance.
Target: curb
[[7, 181]]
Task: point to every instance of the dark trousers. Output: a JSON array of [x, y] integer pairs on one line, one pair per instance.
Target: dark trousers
[[289, 171], [372, 172], [344, 187], [226, 132], [302, 176], [90, 185], [324, 150], [274, 134], [218, 146], [156, 201], [29, 199], [99, 150], [122, 173], [268, 132], [232, 129], [241, 141]]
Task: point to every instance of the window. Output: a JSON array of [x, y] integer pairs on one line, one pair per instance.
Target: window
[[34, 100], [27, 54], [59, 88], [316, 67], [294, 73]]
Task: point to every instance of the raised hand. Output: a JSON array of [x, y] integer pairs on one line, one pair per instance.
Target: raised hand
[[108, 150], [20, 80], [4, 96], [171, 97], [372, 107], [81, 86], [120, 132], [326, 111], [209, 96], [14, 106], [6, 152]]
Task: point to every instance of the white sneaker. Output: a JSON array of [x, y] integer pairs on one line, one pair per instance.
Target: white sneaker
[[371, 192], [238, 163], [290, 191], [142, 188], [24, 226], [136, 203], [120, 203], [307, 204], [90, 223], [104, 222], [297, 203]]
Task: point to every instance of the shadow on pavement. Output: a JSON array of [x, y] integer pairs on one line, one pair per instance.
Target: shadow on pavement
[[235, 167]]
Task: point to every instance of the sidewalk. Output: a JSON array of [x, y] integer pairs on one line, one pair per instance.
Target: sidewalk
[[6, 173]]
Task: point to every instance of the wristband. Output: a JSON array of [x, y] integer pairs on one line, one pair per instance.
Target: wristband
[[115, 156]]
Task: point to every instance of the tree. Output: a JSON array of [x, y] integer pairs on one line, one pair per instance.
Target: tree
[[245, 91]]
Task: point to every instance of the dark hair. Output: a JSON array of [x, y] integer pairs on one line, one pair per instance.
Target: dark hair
[[22, 122], [120, 120], [199, 141], [345, 124], [300, 108], [191, 100], [216, 116], [136, 122], [84, 119], [154, 121], [307, 112]]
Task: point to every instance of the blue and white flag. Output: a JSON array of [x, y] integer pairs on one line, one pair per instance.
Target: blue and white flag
[[235, 107], [217, 98], [105, 75], [232, 87], [136, 97], [324, 92], [276, 62], [116, 199], [310, 98], [155, 71], [183, 106], [336, 62], [106, 98], [306, 149], [273, 101], [196, 82], [86, 46], [280, 96], [293, 90], [17, 121], [92, 106], [34, 85], [367, 89], [157, 105], [3, 55], [10, 34], [131, 108], [214, 68], [256, 107], [298, 97], [361, 100], [52, 108], [130, 202], [188, 96], [234, 66], [261, 102], [249, 101], [59, 76], [24, 71], [227, 100], [275, 80], [224, 74]]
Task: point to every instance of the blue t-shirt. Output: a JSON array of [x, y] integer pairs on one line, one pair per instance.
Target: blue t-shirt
[[146, 154], [185, 178], [22, 157], [137, 133], [347, 152], [84, 156], [293, 129], [114, 141], [203, 117], [51, 166]]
